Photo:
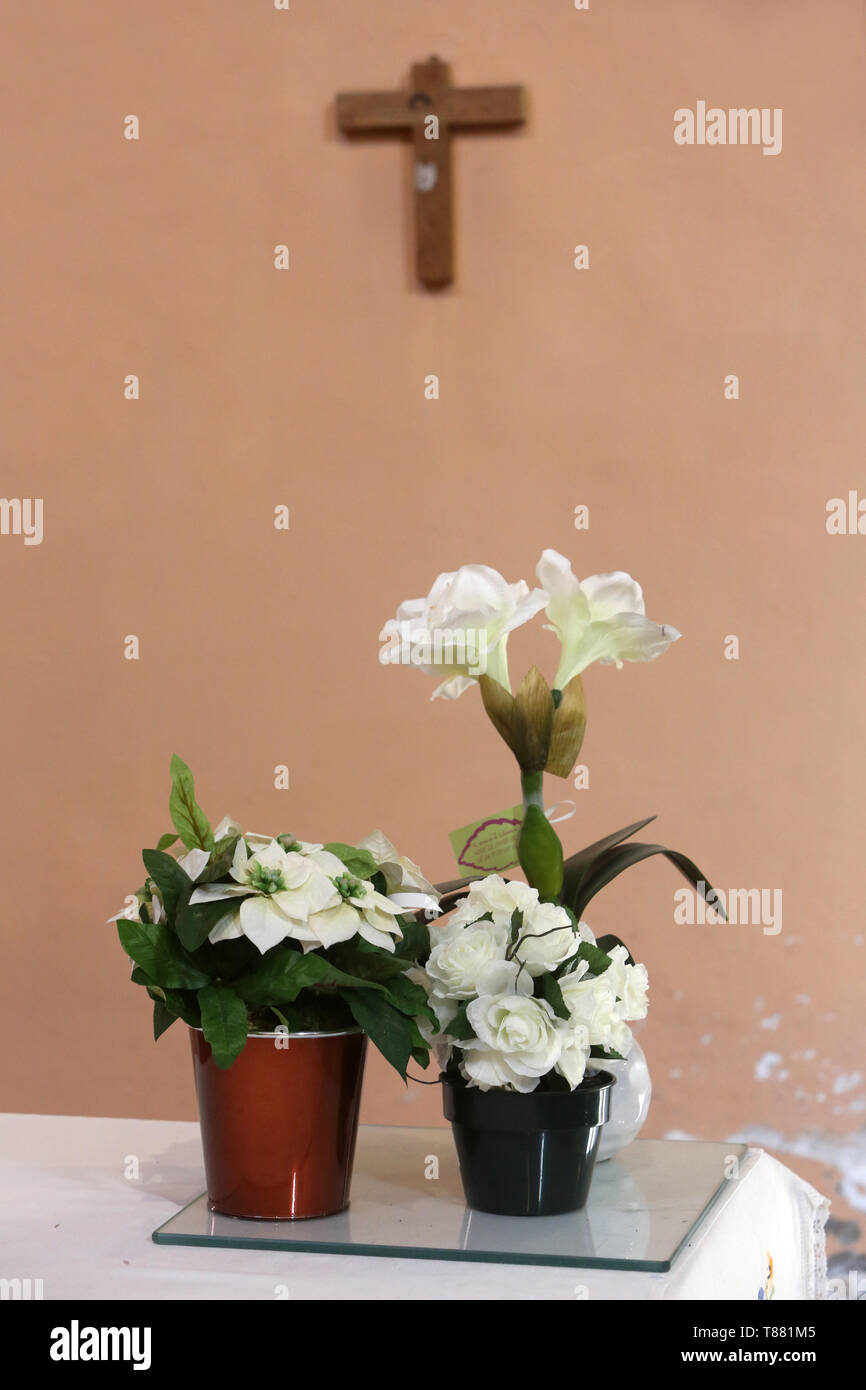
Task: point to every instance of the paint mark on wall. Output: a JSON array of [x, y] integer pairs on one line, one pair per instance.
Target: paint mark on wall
[[845, 1152], [768, 1067]]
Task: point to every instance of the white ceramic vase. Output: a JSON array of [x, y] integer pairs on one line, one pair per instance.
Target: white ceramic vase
[[629, 1102]]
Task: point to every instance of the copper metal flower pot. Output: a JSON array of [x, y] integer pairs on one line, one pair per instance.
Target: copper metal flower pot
[[278, 1126]]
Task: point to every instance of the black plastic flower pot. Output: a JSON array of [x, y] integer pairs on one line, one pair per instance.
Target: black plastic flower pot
[[527, 1155]]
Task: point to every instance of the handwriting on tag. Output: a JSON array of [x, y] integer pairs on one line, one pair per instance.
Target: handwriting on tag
[[488, 846]]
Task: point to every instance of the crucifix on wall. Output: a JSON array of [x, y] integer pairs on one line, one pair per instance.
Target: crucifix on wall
[[429, 111]]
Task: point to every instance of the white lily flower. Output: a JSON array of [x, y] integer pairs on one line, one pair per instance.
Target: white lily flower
[[602, 618], [461, 628]]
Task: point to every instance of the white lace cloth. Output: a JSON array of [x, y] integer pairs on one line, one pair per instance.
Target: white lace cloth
[[79, 1199]]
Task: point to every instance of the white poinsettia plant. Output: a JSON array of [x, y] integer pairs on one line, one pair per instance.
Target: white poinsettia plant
[[521, 990], [246, 933]]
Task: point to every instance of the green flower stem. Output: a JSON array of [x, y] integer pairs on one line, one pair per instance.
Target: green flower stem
[[532, 784]]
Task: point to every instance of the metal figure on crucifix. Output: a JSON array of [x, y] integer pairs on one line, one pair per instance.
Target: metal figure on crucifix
[[429, 111]]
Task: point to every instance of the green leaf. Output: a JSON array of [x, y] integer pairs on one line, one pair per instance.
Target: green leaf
[[195, 922], [226, 960], [166, 841], [389, 1030], [188, 819], [576, 865], [460, 1029], [218, 867], [359, 862], [609, 942], [553, 994], [370, 964], [279, 977], [174, 884], [414, 945], [160, 955], [283, 973], [409, 998], [613, 862], [540, 854], [420, 1049], [379, 968], [163, 1018], [224, 1022], [597, 959], [184, 1005]]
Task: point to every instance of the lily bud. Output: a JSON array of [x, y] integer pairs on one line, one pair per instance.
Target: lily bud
[[569, 727], [525, 721]]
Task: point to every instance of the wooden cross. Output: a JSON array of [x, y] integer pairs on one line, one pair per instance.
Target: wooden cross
[[429, 111]]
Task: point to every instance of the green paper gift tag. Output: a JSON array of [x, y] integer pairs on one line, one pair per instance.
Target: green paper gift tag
[[488, 846]]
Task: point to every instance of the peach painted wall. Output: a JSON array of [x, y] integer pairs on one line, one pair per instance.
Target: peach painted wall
[[558, 387]]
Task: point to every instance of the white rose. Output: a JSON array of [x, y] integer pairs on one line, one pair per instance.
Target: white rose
[[621, 1038], [488, 1069], [517, 1039], [630, 984], [592, 1003], [494, 896], [461, 628], [546, 938], [454, 964], [602, 618], [444, 1010], [575, 1054], [504, 977]]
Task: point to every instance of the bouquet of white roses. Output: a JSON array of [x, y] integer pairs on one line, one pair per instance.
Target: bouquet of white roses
[[522, 993], [245, 933]]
